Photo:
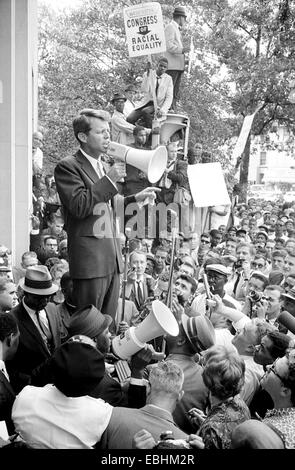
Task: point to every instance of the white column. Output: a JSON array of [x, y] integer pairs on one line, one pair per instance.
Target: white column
[[25, 82], [7, 120], [18, 109]]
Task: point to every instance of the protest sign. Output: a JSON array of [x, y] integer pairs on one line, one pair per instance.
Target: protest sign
[[242, 139], [144, 29], [207, 184]]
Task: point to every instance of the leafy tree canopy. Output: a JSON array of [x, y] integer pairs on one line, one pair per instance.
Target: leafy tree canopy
[[245, 58]]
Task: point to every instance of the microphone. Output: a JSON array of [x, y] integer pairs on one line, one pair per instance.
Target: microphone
[[287, 320]]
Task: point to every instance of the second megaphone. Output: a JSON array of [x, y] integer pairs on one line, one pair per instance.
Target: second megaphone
[[152, 162], [159, 322]]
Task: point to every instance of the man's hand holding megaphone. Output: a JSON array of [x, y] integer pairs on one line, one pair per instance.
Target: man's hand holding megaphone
[[147, 196], [144, 197], [117, 171]]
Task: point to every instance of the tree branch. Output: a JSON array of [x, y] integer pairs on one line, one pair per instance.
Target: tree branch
[[246, 31]]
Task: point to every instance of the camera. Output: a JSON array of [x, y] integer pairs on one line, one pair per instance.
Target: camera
[[167, 441], [255, 296], [238, 264]]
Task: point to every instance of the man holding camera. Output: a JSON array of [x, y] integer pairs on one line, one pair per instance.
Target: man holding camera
[[255, 303], [242, 269]]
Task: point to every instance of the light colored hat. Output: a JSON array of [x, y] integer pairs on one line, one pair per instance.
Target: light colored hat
[[199, 331], [38, 281], [262, 232], [218, 268]]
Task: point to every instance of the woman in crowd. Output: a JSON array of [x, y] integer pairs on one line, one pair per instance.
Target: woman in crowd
[[223, 374], [279, 382], [277, 430]]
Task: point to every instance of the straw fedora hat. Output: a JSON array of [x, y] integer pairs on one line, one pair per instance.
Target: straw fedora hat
[[38, 281]]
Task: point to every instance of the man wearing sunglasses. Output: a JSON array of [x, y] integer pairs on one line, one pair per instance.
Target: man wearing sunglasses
[[260, 264], [39, 326], [205, 239]]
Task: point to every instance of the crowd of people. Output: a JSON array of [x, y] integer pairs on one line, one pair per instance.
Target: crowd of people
[[227, 380], [221, 382]]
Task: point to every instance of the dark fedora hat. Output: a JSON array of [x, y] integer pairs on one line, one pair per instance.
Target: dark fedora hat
[[88, 321], [289, 295], [77, 368], [118, 96], [199, 331], [179, 11], [38, 281], [241, 231]]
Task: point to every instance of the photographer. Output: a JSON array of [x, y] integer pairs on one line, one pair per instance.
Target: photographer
[[237, 285], [255, 303], [273, 302]]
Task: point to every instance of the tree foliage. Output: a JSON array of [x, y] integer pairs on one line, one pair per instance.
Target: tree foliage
[[255, 41], [245, 58], [83, 60]]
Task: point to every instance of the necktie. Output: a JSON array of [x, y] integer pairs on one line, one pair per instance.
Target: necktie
[[100, 170], [140, 296], [47, 336], [236, 283], [157, 85]]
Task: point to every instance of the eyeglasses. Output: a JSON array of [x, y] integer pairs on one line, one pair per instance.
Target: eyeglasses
[[273, 370], [205, 241], [288, 286]]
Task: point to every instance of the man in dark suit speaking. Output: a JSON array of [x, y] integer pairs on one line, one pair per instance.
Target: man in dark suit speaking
[[87, 195]]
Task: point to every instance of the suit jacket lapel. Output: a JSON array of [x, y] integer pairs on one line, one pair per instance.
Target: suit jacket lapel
[[53, 325], [87, 167], [6, 384], [31, 329]]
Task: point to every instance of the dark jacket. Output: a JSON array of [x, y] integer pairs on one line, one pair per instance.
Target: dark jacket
[[7, 397], [32, 350], [94, 251]]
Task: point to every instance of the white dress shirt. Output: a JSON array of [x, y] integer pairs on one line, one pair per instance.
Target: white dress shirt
[[3, 369], [97, 166], [42, 315], [47, 419]]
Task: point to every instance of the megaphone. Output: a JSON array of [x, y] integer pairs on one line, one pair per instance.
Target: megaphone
[[159, 322], [152, 162], [172, 124]]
